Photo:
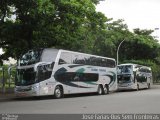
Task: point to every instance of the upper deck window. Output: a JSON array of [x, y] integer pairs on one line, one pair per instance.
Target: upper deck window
[[125, 69], [31, 57], [84, 59]]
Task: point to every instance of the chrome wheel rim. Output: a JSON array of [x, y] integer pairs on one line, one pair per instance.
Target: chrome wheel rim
[[58, 93]]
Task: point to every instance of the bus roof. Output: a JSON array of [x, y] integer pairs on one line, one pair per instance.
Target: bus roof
[[136, 65], [62, 50]]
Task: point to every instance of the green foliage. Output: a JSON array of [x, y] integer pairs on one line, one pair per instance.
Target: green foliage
[[6, 74], [9, 78], [148, 63], [141, 46], [63, 24]]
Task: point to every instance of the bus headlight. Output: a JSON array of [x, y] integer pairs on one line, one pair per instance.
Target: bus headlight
[[35, 87]]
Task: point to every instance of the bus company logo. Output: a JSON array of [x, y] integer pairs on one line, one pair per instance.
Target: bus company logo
[[9, 117]]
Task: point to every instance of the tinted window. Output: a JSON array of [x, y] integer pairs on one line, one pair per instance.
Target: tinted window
[[92, 61], [103, 62], [145, 70], [31, 57], [81, 59], [44, 71], [78, 59], [89, 77], [124, 69], [75, 58], [111, 63], [148, 71], [142, 70], [25, 76], [73, 76]]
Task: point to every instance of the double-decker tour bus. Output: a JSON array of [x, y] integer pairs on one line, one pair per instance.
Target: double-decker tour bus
[[133, 76], [57, 72]]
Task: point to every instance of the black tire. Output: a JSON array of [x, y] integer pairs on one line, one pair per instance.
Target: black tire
[[106, 89], [58, 92], [100, 90]]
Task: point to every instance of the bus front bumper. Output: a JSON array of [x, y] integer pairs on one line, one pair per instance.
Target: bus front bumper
[[26, 91], [127, 87]]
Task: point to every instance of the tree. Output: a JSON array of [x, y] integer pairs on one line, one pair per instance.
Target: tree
[[64, 24], [115, 32], [141, 46]]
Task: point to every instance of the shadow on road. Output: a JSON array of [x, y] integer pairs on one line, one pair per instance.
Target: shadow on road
[[38, 98], [52, 97]]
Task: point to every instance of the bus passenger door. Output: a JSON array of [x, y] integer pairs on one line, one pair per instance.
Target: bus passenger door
[[43, 76]]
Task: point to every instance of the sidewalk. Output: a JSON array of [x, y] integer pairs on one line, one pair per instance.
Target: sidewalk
[[7, 94]]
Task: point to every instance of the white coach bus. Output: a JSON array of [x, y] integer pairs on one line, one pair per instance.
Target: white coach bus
[[57, 72], [133, 76]]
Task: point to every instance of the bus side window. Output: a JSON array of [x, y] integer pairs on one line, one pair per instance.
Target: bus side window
[[110, 63], [44, 71], [61, 61]]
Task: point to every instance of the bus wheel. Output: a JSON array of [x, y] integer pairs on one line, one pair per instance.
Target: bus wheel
[[106, 89], [58, 92], [100, 90]]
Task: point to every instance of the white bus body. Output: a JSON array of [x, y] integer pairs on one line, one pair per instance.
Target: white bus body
[[57, 72], [133, 76]]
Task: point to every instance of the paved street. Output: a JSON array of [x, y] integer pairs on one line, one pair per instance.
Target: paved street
[[143, 101]]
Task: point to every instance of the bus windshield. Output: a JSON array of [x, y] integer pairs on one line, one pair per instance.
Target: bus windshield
[[25, 77], [124, 78], [31, 57], [125, 69]]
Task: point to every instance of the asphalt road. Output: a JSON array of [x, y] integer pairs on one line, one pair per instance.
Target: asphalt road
[[143, 101]]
